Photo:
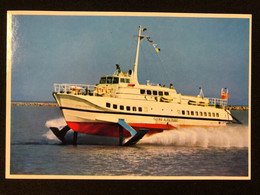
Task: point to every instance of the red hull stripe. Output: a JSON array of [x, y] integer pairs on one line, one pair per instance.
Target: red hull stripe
[[112, 129]]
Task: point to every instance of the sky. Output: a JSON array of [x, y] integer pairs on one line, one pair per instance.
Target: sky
[[195, 52]]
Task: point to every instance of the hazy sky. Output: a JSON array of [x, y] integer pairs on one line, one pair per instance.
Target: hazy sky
[[195, 52]]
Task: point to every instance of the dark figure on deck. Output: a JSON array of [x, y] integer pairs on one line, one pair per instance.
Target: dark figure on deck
[[118, 68]]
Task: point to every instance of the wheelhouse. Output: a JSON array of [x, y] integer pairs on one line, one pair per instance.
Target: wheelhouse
[[114, 80], [109, 80]]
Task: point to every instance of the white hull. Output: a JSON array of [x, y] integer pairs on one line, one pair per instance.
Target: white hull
[[81, 108]]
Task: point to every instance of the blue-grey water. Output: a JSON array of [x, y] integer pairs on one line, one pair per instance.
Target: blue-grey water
[[186, 152]]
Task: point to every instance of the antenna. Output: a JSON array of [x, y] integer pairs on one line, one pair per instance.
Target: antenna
[[201, 93], [137, 55]]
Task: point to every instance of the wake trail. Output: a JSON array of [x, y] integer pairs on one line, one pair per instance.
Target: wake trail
[[231, 136]]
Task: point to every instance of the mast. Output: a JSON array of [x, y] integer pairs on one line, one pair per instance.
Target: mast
[[137, 54]]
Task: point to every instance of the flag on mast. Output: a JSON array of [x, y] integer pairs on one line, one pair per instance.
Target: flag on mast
[[224, 93], [154, 45]]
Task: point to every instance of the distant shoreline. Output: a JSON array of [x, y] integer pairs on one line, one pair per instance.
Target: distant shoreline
[[56, 105], [237, 107], [34, 104]]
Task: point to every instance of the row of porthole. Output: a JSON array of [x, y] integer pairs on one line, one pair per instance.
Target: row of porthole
[[149, 92], [196, 113], [121, 107], [187, 112]]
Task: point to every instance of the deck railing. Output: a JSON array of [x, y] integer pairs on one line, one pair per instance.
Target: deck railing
[[218, 102], [77, 89]]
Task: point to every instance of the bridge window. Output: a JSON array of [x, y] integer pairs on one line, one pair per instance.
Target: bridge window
[[148, 92], [140, 109], [166, 93], [108, 105], [109, 80], [160, 93], [102, 80], [115, 80], [128, 108], [114, 106], [183, 112], [121, 107], [142, 91], [122, 80], [154, 92], [134, 108], [127, 80]]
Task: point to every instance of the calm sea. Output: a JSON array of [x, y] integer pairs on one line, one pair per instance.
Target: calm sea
[[186, 152]]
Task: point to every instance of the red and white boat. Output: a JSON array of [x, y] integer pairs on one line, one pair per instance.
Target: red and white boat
[[121, 107]]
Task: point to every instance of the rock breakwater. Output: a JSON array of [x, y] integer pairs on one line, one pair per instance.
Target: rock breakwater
[[33, 104]]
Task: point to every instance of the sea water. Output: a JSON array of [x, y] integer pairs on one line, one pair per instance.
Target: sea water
[[184, 152]]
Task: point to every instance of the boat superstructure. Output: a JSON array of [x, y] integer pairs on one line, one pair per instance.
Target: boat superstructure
[[118, 106]]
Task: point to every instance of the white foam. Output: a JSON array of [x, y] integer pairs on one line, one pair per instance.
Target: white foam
[[59, 123], [50, 136], [231, 136]]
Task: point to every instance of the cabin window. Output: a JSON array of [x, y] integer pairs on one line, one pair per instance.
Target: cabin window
[[121, 107], [102, 80], [128, 108], [209, 114], [188, 112], [160, 93], [108, 105], [192, 112], [115, 80], [183, 112], [109, 80], [205, 114], [114, 106], [217, 114], [166, 93], [122, 80], [201, 114], [213, 114], [134, 108], [154, 92], [140, 109], [127, 80], [149, 92], [196, 113], [142, 91], [178, 111]]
